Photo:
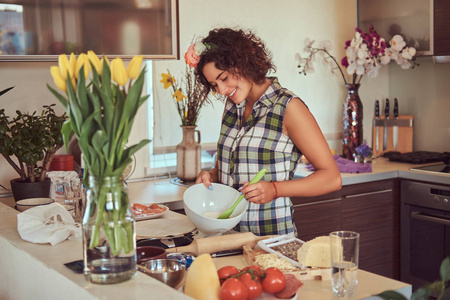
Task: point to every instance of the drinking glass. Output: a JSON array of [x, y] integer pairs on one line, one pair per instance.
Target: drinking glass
[[344, 247]]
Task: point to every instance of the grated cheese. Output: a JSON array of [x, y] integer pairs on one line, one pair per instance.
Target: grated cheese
[[272, 260]]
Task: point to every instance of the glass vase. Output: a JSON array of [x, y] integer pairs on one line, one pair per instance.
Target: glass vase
[[189, 154], [352, 122], [109, 251]]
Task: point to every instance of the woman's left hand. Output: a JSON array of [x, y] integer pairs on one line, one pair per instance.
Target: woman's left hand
[[259, 193]]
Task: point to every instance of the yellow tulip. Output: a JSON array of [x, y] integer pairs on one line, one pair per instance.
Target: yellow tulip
[[58, 78], [118, 71], [134, 67], [95, 61], [63, 63], [82, 61], [178, 95], [72, 65], [167, 80]]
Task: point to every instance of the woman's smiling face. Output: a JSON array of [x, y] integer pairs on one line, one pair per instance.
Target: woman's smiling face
[[231, 85]]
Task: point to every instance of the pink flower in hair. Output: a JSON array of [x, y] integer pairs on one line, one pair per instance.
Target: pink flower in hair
[[191, 57]]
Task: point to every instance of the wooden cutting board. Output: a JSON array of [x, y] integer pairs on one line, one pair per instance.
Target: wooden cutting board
[[405, 134], [302, 274], [170, 223]]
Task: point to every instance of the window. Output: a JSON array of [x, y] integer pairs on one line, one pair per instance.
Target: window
[[164, 131]]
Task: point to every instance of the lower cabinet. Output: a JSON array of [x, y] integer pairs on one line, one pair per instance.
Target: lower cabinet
[[371, 209]]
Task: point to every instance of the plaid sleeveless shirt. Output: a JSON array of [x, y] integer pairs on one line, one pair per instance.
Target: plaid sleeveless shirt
[[244, 149]]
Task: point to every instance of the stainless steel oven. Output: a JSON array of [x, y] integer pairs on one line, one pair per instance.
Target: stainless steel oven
[[425, 231]]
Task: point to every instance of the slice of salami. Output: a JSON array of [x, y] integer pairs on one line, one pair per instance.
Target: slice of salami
[[292, 286]]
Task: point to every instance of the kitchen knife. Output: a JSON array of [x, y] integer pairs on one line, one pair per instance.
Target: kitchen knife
[[377, 116], [386, 114], [395, 128]]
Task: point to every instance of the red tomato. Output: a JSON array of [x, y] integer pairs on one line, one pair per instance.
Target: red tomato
[[233, 289], [226, 272], [253, 285], [274, 281], [255, 270]]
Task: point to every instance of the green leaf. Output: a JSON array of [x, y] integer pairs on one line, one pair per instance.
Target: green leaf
[[82, 94], [6, 90], [60, 97], [98, 140], [75, 112], [391, 295], [106, 80], [128, 152], [66, 131]]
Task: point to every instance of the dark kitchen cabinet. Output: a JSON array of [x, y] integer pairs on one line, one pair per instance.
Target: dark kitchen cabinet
[[441, 27], [317, 216], [372, 209]]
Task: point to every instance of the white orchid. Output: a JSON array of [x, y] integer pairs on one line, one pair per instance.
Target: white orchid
[[385, 59], [393, 54], [372, 70], [308, 44], [326, 45], [365, 53], [397, 43], [408, 52]]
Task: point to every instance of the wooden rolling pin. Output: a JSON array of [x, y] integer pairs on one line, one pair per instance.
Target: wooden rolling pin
[[220, 243]]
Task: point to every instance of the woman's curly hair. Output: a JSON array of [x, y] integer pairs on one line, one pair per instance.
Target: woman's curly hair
[[238, 52]]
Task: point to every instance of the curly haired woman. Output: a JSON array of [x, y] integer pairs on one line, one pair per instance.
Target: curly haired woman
[[264, 126]]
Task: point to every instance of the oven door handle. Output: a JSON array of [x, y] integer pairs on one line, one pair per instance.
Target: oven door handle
[[430, 218]]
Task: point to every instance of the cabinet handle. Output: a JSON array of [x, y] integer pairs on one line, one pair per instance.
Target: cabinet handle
[[368, 194], [430, 218], [318, 202]]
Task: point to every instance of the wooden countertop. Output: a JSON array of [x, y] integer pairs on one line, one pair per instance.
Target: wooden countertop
[[369, 284], [37, 271]]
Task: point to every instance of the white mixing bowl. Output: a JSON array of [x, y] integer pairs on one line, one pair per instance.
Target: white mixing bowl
[[203, 206]]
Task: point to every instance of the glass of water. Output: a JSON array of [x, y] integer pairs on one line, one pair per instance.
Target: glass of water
[[344, 247]]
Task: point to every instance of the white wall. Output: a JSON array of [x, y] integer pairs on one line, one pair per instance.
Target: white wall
[[284, 25]]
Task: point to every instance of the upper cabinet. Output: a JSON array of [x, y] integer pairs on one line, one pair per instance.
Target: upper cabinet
[[424, 24], [442, 30], [412, 19], [43, 29]]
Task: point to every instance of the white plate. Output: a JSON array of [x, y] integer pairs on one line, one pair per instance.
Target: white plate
[[152, 216]]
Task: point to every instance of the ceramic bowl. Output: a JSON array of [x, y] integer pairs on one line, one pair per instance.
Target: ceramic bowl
[[168, 271], [70, 208], [25, 204], [146, 253], [203, 206]]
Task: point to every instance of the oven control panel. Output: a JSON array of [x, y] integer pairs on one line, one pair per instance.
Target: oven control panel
[[426, 195]]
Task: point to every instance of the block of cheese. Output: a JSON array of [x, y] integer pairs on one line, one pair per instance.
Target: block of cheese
[[315, 253]]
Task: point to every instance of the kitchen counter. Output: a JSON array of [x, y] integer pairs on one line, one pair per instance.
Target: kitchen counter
[[163, 191], [37, 271]]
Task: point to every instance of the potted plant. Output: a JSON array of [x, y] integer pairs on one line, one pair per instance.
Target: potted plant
[[31, 139]]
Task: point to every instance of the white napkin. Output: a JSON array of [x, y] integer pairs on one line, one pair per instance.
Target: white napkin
[[47, 224]]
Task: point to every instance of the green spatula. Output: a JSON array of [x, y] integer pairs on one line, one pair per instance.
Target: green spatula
[[229, 211]]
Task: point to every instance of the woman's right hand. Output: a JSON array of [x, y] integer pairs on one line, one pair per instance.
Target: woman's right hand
[[206, 178]]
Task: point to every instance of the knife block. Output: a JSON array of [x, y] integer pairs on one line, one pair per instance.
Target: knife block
[[404, 139]]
